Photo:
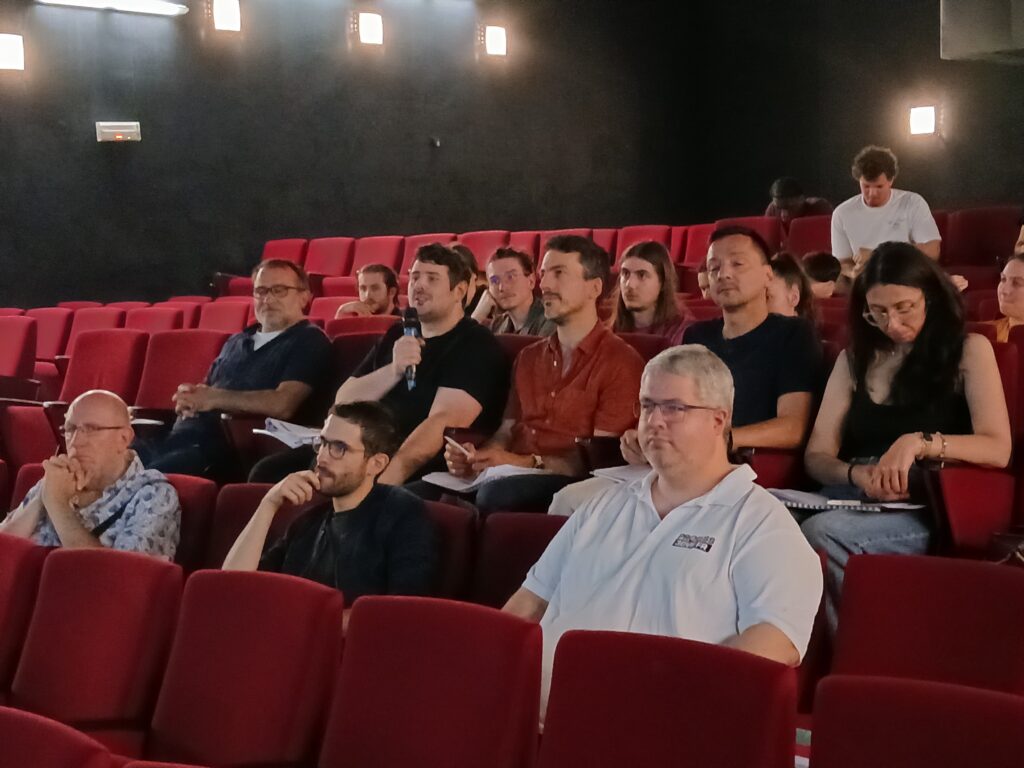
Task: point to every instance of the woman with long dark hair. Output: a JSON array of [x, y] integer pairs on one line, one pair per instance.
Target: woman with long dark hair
[[911, 385], [647, 293]]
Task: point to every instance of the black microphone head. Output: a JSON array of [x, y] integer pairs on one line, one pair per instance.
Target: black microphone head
[[410, 316]]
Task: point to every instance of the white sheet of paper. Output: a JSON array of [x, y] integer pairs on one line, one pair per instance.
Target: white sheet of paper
[[292, 435], [453, 483]]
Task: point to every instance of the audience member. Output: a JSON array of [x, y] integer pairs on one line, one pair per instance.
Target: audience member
[[789, 201], [378, 293], [880, 213], [270, 369], [910, 386], [776, 362], [477, 277], [823, 269], [511, 299], [580, 382], [98, 494], [789, 292], [647, 293], [365, 538], [1011, 296], [461, 375], [695, 550], [1018, 249], [703, 281]]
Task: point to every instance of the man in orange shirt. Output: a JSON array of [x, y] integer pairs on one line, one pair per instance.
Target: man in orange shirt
[[580, 382]]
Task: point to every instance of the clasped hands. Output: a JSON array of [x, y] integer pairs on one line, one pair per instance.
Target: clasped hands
[[889, 479], [191, 399], [63, 479]]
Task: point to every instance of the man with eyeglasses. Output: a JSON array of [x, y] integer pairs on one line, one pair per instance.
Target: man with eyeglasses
[[98, 494], [362, 537], [694, 550], [273, 368], [511, 298]]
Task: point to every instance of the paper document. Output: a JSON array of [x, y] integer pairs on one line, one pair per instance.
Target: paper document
[[815, 501], [624, 474], [292, 435], [453, 483]]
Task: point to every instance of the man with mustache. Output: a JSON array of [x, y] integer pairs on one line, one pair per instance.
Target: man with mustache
[[511, 280], [366, 538], [694, 549], [580, 382]]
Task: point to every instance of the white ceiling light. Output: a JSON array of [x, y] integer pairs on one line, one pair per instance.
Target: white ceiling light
[[371, 29], [227, 15], [922, 120], [158, 7], [495, 41], [12, 52]]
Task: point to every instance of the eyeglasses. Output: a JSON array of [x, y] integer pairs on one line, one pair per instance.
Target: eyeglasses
[[68, 431], [670, 411], [336, 449], [880, 318], [277, 291], [506, 279]]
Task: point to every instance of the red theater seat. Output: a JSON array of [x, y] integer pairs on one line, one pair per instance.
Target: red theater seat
[[198, 497], [809, 234], [646, 344], [607, 239], [887, 629], [324, 307], [982, 236], [629, 236], [288, 249], [866, 722], [769, 227], [435, 684], [386, 250], [189, 311], [11, 312], [94, 319], [53, 326], [110, 360], [33, 741], [414, 242], [237, 286], [249, 672], [697, 239], [456, 527], [359, 324], [74, 306], [514, 343], [98, 640], [27, 436], [330, 255], [153, 319], [510, 543], [17, 347], [236, 503], [129, 305], [349, 351], [483, 244], [621, 699], [192, 299], [525, 241], [19, 578], [677, 244], [226, 316], [341, 286], [173, 358]]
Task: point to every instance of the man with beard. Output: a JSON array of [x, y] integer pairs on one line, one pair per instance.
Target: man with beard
[[367, 538], [98, 494], [378, 293], [511, 280], [580, 382]]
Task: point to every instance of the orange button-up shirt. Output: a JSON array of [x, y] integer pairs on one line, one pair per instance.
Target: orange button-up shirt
[[551, 410]]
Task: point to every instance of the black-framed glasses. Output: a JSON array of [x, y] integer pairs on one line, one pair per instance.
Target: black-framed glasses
[[277, 291], [880, 318], [68, 431], [336, 449], [671, 410]]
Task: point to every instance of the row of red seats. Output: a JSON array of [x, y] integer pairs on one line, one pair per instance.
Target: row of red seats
[[238, 669]]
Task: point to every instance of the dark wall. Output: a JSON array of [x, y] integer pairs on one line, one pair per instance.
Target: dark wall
[[290, 131]]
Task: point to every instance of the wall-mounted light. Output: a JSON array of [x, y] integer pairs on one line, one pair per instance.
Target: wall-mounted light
[[12, 52], [227, 15], [158, 7], [924, 120], [495, 41], [369, 28]]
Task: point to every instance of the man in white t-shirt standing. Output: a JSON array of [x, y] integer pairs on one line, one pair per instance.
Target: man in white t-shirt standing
[[694, 550], [880, 213]]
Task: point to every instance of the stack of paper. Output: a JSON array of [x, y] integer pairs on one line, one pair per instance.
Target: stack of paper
[[292, 435], [461, 485]]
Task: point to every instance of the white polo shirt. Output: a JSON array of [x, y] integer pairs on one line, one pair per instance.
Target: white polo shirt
[[710, 569], [906, 218]]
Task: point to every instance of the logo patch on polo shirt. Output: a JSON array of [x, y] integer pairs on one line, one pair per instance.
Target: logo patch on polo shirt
[[686, 541]]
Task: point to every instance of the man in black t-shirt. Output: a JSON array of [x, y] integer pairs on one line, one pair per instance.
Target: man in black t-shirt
[[367, 539], [462, 375]]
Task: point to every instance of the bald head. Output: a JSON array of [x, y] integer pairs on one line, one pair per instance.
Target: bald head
[[100, 406]]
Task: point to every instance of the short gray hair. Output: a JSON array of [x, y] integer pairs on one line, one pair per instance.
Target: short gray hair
[[710, 375]]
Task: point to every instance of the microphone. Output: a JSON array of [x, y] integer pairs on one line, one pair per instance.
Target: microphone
[[411, 327]]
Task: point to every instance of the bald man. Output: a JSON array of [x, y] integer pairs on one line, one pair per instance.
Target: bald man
[[98, 494]]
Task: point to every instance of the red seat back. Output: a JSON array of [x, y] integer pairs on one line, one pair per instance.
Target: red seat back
[[349, 351], [288, 249], [53, 325], [324, 307], [27, 435], [394, 703], [94, 319], [19, 578], [514, 343], [677, 244], [347, 285], [769, 227], [28, 476], [110, 360], [456, 527], [74, 306], [227, 316], [629, 236], [483, 244], [190, 311], [527, 241], [330, 255], [697, 239], [385, 249], [982, 235], [33, 740], [99, 637], [250, 671], [414, 242], [235, 506], [11, 312], [173, 358], [17, 346], [154, 319], [359, 324], [192, 298], [648, 345], [510, 543], [887, 629], [865, 722], [744, 715], [809, 234], [129, 305], [607, 239], [198, 497]]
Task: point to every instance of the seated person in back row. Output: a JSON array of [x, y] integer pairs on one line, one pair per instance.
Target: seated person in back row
[[510, 305], [271, 369], [647, 293], [789, 201], [98, 494], [693, 550], [367, 538], [1010, 294], [823, 269], [776, 362], [378, 293], [461, 375], [580, 382]]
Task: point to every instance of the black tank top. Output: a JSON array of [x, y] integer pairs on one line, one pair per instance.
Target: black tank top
[[871, 428]]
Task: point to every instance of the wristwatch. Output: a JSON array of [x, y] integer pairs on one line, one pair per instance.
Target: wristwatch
[[538, 461]]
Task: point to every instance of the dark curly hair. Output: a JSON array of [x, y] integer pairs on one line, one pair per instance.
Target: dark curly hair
[[871, 162]]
